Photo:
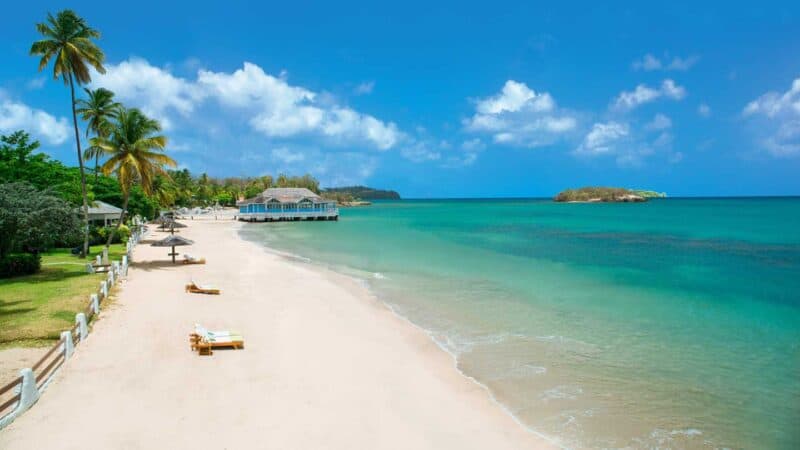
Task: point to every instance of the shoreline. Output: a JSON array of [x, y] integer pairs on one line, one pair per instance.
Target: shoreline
[[360, 288], [325, 364]]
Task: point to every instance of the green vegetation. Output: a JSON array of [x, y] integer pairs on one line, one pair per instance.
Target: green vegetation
[[355, 193], [649, 194], [599, 194], [31, 221], [136, 153], [68, 43], [21, 161], [96, 110], [36, 308]]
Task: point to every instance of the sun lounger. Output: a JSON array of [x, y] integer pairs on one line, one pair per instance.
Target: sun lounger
[[189, 259], [196, 288], [204, 340]]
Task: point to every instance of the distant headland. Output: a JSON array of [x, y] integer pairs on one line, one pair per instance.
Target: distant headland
[[596, 194], [358, 195]]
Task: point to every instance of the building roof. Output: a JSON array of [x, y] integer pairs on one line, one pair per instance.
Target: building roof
[[282, 195], [98, 207]]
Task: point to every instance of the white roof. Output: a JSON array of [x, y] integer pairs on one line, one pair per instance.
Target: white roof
[[98, 207]]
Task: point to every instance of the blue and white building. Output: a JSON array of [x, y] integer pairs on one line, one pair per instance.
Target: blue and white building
[[287, 204]]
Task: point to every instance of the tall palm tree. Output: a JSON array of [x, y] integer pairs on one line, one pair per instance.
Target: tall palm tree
[[136, 154], [96, 111], [68, 42]]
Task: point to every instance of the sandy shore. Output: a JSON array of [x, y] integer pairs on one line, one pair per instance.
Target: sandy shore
[[325, 366]]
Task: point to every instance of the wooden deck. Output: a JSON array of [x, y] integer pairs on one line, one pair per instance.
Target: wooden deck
[[289, 216]]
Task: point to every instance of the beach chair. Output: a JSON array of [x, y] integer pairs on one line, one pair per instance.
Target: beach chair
[[189, 259], [204, 341], [196, 288]]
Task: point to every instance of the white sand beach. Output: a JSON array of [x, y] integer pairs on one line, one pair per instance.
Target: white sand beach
[[324, 366]]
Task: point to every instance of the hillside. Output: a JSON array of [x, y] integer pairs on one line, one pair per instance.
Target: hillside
[[592, 194], [362, 193]]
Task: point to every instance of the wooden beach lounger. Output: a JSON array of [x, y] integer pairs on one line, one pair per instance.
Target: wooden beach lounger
[[204, 341], [189, 259], [195, 288]]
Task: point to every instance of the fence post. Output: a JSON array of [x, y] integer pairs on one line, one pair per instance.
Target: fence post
[[95, 303], [69, 347], [83, 328], [102, 291], [98, 260], [111, 277]]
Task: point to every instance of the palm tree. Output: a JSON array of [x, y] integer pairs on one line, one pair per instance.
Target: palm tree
[[96, 111], [136, 154], [68, 42]]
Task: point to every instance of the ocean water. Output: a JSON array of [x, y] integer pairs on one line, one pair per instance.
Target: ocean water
[[669, 324]]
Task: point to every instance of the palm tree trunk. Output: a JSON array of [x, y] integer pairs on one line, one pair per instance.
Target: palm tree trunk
[[96, 166], [85, 250], [126, 196]]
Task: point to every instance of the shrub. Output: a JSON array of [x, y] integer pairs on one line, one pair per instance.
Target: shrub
[[19, 264], [100, 234]]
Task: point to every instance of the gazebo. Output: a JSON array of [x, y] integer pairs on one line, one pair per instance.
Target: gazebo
[[104, 212]]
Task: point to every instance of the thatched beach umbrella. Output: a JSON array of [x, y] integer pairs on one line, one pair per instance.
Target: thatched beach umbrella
[[170, 226], [172, 241]]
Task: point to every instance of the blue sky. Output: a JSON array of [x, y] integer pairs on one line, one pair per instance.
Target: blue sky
[[451, 100]]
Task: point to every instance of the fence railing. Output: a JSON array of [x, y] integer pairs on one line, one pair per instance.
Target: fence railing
[[21, 393]]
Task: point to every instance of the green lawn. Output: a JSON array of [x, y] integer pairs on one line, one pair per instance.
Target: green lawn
[[35, 309]]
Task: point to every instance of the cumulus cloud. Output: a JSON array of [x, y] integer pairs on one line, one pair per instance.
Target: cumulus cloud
[[776, 118], [15, 116], [518, 115], [156, 91], [629, 100], [629, 148], [269, 104], [603, 138], [650, 63]]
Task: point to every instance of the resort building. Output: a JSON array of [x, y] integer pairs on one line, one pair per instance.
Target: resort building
[[101, 213], [287, 204]]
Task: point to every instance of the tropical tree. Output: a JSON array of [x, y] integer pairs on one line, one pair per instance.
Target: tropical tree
[[135, 154], [68, 42], [96, 110]]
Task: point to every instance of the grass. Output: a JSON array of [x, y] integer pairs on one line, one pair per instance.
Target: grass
[[35, 309]]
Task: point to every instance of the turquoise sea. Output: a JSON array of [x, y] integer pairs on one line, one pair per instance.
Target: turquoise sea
[[673, 324]]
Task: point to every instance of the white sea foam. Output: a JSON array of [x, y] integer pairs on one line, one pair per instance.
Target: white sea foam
[[561, 392]]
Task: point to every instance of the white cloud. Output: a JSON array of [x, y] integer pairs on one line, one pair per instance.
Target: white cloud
[[287, 156], [704, 110], [420, 151], [156, 91], [650, 63], [36, 83], [513, 97], [473, 145], [659, 122], [647, 63], [603, 138], [684, 64], [364, 88], [629, 100], [269, 104], [19, 116], [776, 119], [518, 115]]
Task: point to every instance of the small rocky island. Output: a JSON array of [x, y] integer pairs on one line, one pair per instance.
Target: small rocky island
[[592, 194]]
